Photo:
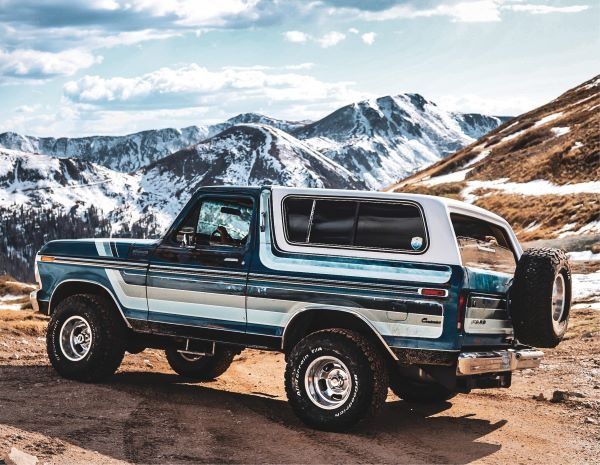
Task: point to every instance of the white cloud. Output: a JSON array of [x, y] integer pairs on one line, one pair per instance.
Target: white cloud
[[331, 38], [193, 85], [502, 105], [297, 37], [368, 38], [35, 64], [300, 66], [353, 30], [546, 9], [470, 11]]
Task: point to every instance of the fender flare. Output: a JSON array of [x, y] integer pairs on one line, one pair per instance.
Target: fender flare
[[93, 283], [354, 313]]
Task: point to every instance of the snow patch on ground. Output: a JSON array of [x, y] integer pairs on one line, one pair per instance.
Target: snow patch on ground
[[537, 187], [457, 176], [586, 286], [478, 158], [512, 136], [584, 255], [547, 119], [560, 131]]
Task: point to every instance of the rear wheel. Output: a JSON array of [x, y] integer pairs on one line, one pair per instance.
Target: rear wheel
[[85, 339], [200, 367], [335, 378], [541, 297]]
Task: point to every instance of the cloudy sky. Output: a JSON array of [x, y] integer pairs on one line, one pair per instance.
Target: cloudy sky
[[71, 67]]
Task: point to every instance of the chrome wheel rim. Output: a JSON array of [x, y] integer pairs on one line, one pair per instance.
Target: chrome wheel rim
[[558, 300], [75, 338], [328, 382]]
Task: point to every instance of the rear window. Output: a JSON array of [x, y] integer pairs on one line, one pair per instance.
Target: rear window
[[363, 224], [483, 245]]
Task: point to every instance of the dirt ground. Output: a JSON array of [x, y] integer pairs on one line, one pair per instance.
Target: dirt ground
[[147, 414]]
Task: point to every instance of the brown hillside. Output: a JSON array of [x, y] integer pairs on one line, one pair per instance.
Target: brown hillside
[[557, 143]]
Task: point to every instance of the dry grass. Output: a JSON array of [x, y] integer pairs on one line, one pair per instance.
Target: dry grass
[[451, 190], [583, 322], [20, 322], [536, 153], [549, 211], [8, 285]]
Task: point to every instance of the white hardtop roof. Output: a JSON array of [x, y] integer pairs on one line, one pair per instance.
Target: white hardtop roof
[[454, 206]]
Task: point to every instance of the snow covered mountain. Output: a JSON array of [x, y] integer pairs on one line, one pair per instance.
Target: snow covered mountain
[[120, 153], [386, 139], [257, 118], [66, 184], [541, 171], [246, 154]]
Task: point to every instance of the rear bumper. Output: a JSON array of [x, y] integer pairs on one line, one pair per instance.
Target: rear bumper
[[475, 363]]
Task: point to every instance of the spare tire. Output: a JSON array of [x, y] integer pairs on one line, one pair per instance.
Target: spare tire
[[540, 297]]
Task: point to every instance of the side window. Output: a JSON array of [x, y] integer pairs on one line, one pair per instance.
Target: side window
[[297, 212], [217, 222], [483, 245], [355, 223], [333, 222], [394, 226]]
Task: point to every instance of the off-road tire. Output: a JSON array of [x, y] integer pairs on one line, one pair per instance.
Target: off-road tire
[[417, 392], [205, 368], [367, 368], [531, 297], [108, 338]]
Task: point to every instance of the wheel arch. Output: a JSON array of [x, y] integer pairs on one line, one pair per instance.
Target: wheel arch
[[307, 321], [69, 287]]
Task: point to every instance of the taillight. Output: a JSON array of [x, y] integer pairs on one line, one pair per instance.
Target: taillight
[[433, 292], [462, 305]]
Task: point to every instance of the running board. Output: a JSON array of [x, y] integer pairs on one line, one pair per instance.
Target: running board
[[198, 348]]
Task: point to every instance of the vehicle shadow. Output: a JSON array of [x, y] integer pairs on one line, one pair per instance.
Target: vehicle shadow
[[145, 417]]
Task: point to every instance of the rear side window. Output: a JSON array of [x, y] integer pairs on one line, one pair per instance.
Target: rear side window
[[389, 226], [361, 224], [483, 245], [333, 222]]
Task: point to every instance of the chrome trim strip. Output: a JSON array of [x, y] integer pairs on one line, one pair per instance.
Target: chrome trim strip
[[332, 283], [90, 282], [183, 269], [473, 363], [343, 293], [117, 264]]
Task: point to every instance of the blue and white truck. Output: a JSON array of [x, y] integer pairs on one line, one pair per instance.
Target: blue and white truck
[[362, 291]]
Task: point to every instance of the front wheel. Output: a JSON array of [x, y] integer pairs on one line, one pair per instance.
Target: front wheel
[[200, 367], [335, 378], [85, 338]]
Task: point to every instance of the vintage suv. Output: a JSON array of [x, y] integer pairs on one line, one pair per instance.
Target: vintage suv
[[359, 290]]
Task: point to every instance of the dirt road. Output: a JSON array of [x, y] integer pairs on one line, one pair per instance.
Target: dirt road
[[147, 414]]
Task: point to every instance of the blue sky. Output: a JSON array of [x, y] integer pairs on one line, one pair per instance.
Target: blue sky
[[71, 68]]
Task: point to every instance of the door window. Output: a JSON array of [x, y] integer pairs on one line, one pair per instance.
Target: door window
[[217, 222]]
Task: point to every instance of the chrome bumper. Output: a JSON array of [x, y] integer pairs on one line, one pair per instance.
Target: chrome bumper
[[474, 363], [34, 301]]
